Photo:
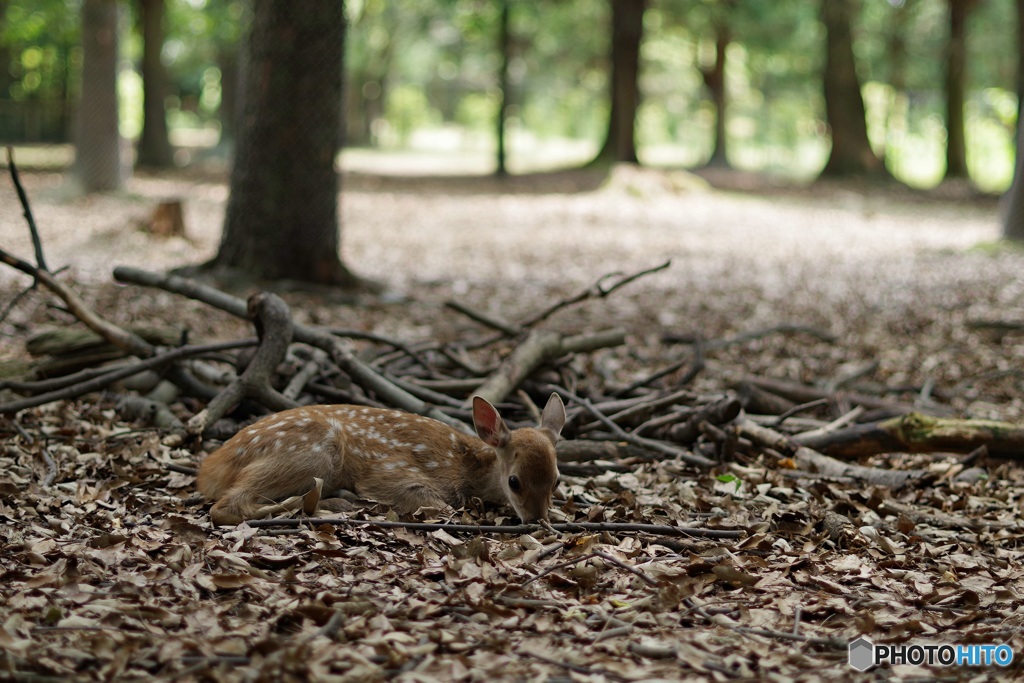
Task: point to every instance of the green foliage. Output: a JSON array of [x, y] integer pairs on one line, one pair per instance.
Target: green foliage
[[416, 65], [408, 110]]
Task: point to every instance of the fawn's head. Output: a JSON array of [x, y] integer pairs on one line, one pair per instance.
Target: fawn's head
[[527, 467]]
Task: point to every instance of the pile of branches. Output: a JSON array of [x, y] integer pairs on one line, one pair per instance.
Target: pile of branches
[[513, 365]]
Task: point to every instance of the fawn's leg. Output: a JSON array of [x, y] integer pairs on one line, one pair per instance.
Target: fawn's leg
[[263, 482]]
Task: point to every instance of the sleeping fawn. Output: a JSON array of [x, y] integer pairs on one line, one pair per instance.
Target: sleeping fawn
[[400, 459]]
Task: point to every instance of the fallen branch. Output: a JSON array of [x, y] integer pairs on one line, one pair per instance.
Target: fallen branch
[[484, 319], [801, 393], [824, 464], [517, 529], [273, 321], [121, 372], [640, 441], [360, 372], [541, 347], [917, 433], [596, 291], [122, 339], [37, 243]]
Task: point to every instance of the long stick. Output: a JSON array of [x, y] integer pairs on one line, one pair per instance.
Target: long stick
[[37, 243], [627, 527]]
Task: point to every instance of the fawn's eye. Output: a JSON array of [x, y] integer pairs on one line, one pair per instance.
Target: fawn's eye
[[513, 483]]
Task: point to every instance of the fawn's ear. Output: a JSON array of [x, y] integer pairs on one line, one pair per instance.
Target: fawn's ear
[[553, 417], [489, 426]]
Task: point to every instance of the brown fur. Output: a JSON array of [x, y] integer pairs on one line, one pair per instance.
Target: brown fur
[[397, 458]]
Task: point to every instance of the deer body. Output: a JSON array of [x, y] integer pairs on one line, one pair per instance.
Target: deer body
[[400, 459]]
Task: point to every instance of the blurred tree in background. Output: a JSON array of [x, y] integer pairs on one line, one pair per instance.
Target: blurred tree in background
[[627, 31], [723, 81], [154, 145], [845, 112], [99, 163]]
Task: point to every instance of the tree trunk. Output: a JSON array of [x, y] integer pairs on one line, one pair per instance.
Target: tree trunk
[[504, 46], [844, 104], [956, 77], [627, 33], [1013, 218], [714, 79], [230, 82], [154, 146], [1020, 60], [282, 214], [98, 161]]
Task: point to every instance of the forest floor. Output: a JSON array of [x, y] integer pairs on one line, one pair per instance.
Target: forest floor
[[110, 573]]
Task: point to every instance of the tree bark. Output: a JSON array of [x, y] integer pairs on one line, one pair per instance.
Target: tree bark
[[1020, 60], [1013, 216], [154, 146], [504, 47], [627, 33], [956, 83], [98, 162], [282, 215], [844, 104], [714, 79]]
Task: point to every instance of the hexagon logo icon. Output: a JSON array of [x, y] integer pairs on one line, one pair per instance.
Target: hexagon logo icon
[[862, 654]]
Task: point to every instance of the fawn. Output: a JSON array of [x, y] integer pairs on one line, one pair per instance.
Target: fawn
[[400, 459]]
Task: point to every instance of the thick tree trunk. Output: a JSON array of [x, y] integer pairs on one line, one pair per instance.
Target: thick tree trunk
[[844, 104], [627, 33], [956, 82], [714, 79], [98, 162], [282, 214], [154, 146]]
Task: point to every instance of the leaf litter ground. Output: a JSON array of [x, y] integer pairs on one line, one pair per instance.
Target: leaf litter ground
[[111, 572]]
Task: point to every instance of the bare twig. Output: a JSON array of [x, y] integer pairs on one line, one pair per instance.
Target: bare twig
[[518, 529], [803, 407], [595, 291], [696, 366], [632, 438], [37, 243], [122, 339], [485, 319]]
